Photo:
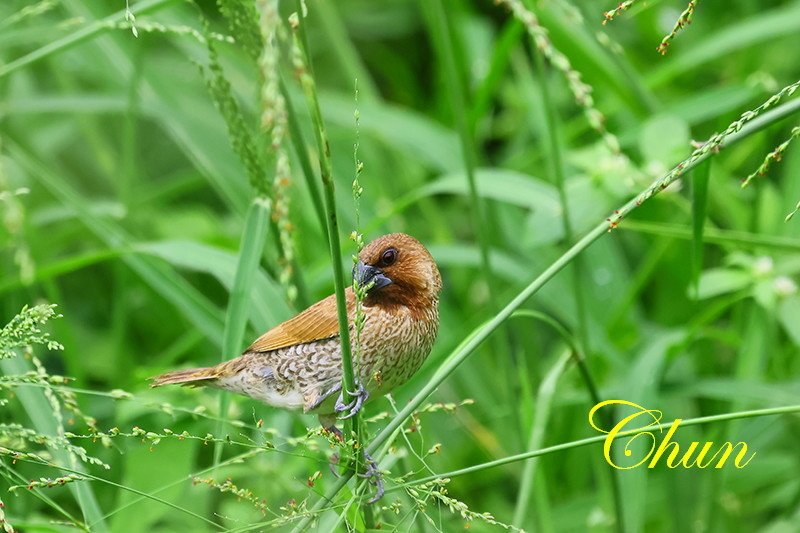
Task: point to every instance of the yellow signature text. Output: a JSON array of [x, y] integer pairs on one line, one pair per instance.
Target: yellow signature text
[[642, 424]]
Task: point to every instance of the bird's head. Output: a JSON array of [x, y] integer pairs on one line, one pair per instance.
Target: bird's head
[[400, 270]]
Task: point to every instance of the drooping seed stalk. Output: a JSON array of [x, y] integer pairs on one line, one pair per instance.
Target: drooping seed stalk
[[683, 20]]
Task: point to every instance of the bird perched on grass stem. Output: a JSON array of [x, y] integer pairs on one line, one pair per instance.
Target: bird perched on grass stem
[[298, 364]]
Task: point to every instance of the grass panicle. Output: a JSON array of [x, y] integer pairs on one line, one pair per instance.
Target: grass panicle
[[44, 406], [773, 157], [130, 19], [242, 21], [609, 15], [25, 331], [155, 27], [684, 20], [28, 12], [241, 135], [712, 146], [260, 504], [581, 91], [275, 122]]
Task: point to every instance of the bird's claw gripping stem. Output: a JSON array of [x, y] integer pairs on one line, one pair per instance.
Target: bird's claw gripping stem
[[374, 476], [353, 407]]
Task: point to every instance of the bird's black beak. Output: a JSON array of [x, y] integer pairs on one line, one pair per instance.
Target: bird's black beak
[[366, 274]]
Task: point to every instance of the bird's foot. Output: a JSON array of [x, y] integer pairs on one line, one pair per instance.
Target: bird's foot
[[354, 406], [373, 474]]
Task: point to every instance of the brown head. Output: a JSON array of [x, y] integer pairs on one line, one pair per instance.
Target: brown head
[[400, 270]]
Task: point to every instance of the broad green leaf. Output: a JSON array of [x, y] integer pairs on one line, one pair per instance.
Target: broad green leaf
[[664, 139], [720, 281], [401, 129], [501, 185], [149, 469], [268, 303], [789, 316]]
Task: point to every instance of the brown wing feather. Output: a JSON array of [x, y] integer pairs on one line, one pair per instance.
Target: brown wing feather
[[319, 321]]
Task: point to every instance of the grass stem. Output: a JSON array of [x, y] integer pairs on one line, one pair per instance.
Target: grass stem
[[304, 69]]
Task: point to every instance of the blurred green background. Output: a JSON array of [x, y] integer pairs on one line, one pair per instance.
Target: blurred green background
[[123, 202]]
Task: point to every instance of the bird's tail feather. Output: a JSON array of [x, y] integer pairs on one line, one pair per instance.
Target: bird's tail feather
[[189, 376]]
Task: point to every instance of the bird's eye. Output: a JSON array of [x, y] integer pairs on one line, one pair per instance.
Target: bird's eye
[[388, 257]]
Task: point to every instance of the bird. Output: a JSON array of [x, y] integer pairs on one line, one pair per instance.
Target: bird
[[298, 363]]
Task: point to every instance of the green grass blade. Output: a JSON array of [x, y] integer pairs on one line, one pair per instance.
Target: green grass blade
[[254, 237], [84, 34], [40, 411], [544, 400], [700, 179], [164, 280]]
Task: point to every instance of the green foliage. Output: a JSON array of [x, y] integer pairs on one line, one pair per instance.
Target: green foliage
[[175, 215], [241, 136], [24, 331]]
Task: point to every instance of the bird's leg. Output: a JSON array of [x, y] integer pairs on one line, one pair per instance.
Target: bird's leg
[[353, 407], [371, 471], [373, 474]]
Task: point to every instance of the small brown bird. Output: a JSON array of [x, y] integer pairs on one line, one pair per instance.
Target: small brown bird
[[298, 364]]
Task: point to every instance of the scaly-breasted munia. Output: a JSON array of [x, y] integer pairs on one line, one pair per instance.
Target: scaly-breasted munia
[[298, 364]]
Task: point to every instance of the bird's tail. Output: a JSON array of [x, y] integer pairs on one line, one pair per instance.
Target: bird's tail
[[190, 377]]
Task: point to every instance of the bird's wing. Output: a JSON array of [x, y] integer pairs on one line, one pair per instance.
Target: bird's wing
[[319, 321]]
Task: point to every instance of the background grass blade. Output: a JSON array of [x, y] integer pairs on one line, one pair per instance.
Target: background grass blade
[[254, 236], [700, 179]]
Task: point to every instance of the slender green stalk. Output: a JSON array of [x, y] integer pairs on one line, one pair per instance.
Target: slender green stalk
[[12, 475], [484, 331], [446, 38], [329, 198], [303, 67], [296, 134], [84, 34], [543, 402], [715, 235], [550, 129], [254, 236], [600, 438], [98, 525]]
